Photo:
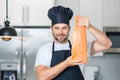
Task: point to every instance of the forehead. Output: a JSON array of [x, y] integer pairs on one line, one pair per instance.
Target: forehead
[[60, 25]]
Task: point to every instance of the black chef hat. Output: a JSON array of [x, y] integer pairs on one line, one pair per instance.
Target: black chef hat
[[60, 14]]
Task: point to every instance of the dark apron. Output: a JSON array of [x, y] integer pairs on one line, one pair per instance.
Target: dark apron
[[70, 73]]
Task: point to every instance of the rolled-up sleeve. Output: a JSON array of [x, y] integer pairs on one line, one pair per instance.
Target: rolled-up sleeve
[[43, 57]]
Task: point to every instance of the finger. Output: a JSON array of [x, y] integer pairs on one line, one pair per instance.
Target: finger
[[83, 21], [77, 61]]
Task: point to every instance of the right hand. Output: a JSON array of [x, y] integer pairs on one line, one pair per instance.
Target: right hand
[[69, 62]]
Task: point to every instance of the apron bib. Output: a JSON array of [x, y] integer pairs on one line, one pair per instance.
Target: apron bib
[[70, 73]]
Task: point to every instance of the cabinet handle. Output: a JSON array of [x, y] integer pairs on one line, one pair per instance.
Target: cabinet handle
[[23, 14], [27, 13]]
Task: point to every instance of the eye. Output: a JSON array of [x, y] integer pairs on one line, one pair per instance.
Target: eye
[[65, 28], [56, 28]]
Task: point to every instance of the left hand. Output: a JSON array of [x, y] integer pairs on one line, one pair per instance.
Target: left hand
[[84, 21]]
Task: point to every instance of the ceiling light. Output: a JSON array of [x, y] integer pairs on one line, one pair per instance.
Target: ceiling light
[[7, 32]]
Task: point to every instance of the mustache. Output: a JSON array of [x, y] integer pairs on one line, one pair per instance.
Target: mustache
[[61, 35]]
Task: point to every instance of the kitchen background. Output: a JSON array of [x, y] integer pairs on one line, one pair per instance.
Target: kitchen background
[[29, 17], [102, 13]]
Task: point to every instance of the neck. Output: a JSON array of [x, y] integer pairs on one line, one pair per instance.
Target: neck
[[58, 42]]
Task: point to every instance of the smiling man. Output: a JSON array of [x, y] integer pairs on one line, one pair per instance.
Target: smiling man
[[53, 61], [60, 32]]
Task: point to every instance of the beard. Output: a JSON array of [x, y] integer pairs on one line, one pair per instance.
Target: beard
[[60, 39]]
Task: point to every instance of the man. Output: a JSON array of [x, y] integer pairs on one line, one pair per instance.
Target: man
[[53, 61]]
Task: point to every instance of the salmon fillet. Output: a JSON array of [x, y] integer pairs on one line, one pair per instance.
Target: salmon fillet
[[79, 42]]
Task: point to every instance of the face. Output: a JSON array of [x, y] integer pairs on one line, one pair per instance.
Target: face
[[60, 32]]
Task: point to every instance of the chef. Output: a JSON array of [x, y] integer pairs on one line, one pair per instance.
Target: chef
[[53, 60]]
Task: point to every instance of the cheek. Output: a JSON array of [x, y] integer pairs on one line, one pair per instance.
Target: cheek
[[66, 32], [54, 33]]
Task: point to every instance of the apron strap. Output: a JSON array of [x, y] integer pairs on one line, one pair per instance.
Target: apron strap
[[70, 44]]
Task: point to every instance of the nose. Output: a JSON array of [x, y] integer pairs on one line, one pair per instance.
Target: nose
[[60, 31]]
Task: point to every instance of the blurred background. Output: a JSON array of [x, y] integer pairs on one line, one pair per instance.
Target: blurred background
[[30, 21]]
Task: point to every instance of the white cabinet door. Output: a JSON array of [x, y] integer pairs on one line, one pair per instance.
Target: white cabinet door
[[112, 13], [2, 11], [93, 9], [37, 12], [29, 12], [16, 12]]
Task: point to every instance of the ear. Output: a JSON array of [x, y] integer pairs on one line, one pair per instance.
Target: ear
[[69, 27], [51, 28]]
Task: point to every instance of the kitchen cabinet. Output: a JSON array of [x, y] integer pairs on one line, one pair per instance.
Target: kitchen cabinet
[[93, 9], [37, 12], [111, 13], [2, 11], [16, 12], [29, 12]]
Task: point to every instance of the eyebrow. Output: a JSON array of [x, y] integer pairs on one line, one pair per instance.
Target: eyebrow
[[62, 26]]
